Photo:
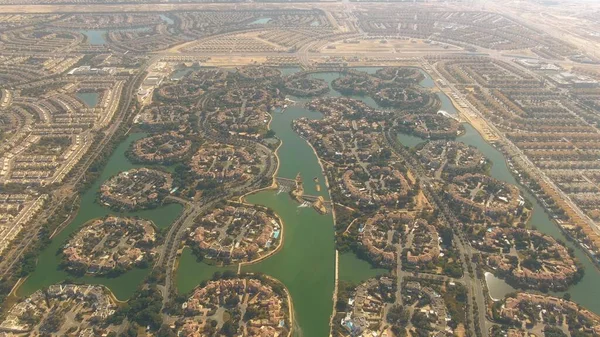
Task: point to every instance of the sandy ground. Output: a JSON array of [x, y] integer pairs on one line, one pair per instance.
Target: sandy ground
[[229, 61], [460, 330], [244, 37], [391, 46], [410, 177], [422, 202], [158, 7], [479, 124]]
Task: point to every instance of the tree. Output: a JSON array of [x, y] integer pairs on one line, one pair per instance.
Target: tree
[[28, 264], [144, 307], [131, 331], [251, 313], [552, 331], [446, 235], [228, 329], [232, 301], [165, 331], [228, 274], [217, 275], [52, 323]]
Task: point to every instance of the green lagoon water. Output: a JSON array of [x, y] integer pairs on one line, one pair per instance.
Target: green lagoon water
[[497, 287], [354, 270], [191, 272], [167, 19], [260, 21], [586, 292], [97, 37], [89, 98], [305, 263], [123, 286]]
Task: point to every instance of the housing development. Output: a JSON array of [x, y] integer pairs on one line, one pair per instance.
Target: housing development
[[304, 168]]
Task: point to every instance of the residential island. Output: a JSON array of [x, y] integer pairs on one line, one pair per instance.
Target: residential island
[[338, 168], [135, 189], [111, 245], [230, 234]]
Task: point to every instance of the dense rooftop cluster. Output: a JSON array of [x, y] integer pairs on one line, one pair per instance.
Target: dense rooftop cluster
[[470, 29], [46, 132], [365, 314], [433, 307], [423, 243], [390, 87], [135, 189], [430, 126], [177, 92], [230, 234], [556, 132], [350, 138], [376, 236], [375, 185], [355, 82], [303, 85], [255, 308], [532, 310], [52, 312], [389, 203], [16, 212], [449, 158], [479, 197], [110, 246], [243, 111], [528, 258], [52, 134], [160, 116], [223, 164], [258, 73], [163, 148]]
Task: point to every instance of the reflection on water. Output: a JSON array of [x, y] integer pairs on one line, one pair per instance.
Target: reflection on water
[[167, 19], [260, 21], [497, 287], [89, 98], [48, 272], [98, 36]]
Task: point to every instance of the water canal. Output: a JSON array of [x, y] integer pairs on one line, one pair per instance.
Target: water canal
[[89, 98], [260, 21], [305, 263], [355, 270], [98, 36], [167, 19], [47, 271], [497, 287], [586, 292]]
